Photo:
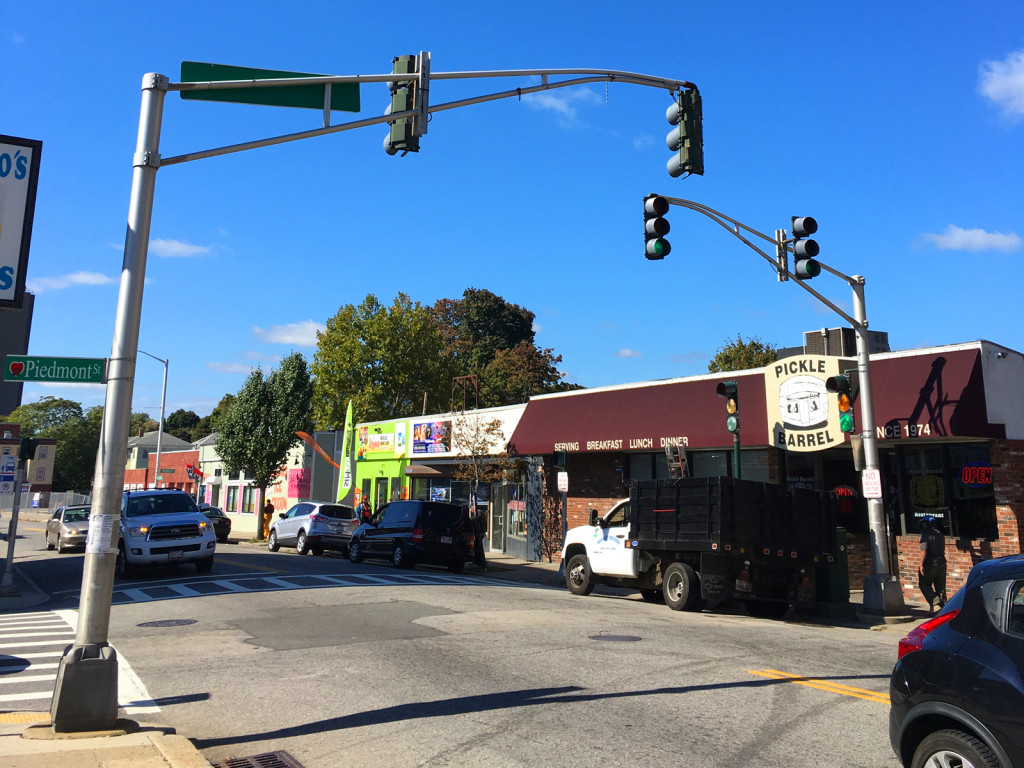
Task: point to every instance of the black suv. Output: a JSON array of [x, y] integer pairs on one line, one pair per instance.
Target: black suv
[[410, 532], [957, 690]]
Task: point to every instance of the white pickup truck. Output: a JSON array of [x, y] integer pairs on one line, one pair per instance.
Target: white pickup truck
[[163, 526]]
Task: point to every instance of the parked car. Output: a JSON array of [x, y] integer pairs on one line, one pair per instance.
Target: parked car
[[163, 526], [313, 526], [957, 691], [411, 532], [67, 528], [221, 522]]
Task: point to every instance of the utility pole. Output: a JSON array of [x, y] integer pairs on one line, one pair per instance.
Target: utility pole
[[163, 404], [882, 591]]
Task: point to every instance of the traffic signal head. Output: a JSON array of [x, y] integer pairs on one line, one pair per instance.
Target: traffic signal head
[[687, 138], [403, 136], [730, 392], [655, 228], [840, 385], [804, 251]]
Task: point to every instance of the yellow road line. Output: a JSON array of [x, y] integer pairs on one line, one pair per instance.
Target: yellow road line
[[824, 685], [249, 565], [24, 717]]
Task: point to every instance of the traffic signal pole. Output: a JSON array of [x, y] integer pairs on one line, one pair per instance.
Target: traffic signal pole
[[85, 694], [882, 591]]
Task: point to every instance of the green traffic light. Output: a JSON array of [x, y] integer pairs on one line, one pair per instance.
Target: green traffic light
[[732, 423], [846, 422]]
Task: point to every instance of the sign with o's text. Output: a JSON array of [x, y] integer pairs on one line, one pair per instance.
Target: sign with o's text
[[19, 177]]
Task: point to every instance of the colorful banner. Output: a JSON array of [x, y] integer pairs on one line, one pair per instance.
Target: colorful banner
[[345, 484]]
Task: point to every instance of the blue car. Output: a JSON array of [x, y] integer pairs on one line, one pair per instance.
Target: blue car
[[957, 691]]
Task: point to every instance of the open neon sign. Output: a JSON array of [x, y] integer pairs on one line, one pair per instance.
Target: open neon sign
[[976, 475]]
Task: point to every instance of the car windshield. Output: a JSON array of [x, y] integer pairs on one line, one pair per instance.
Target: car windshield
[[160, 505], [338, 511], [76, 515]]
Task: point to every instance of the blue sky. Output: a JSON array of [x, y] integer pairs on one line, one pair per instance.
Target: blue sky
[[898, 126]]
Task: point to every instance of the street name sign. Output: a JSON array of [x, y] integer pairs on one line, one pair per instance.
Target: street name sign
[[87, 370], [344, 96]]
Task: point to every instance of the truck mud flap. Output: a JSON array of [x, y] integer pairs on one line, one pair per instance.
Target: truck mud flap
[[717, 578]]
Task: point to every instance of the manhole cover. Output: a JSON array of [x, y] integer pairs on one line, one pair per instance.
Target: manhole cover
[[616, 638], [167, 623]]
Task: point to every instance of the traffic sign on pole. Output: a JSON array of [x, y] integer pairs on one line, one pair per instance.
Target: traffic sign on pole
[[88, 370], [344, 96]]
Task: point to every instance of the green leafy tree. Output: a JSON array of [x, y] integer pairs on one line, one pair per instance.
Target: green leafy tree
[[181, 424], [78, 440], [142, 422], [259, 429], [742, 355], [209, 425], [36, 418], [482, 455], [385, 359], [495, 339]]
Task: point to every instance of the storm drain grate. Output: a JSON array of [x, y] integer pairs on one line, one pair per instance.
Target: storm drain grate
[[279, 759], [167, 623], [616, 638]]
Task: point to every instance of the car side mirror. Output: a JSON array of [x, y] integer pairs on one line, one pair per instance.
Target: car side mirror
[[593, 517], [282, 515]]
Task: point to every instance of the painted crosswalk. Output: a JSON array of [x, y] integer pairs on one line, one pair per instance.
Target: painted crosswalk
[[31, 647], [204, 586]]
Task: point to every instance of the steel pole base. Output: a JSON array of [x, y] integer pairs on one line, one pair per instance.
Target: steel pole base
[[85, 695], [883, 595]]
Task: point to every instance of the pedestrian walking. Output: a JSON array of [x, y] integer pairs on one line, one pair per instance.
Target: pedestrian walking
[[479, 532], [931, 575], [365, 514]]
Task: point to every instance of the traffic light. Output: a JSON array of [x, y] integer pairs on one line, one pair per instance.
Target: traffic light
[[403, 136], [27, 448], [655, 227], [804, 251], [729, 391], [840, 385], [687, 138]]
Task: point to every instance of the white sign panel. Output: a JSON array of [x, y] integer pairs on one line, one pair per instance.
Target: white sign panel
[[871, 480], [8, 464], [6, 487], [19, 175], [563, 482]]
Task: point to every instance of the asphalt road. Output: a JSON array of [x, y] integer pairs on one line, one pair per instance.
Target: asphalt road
[[345, 665]]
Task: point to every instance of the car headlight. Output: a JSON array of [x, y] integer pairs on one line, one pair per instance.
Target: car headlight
[[206, 526], [72, 531], [142, 530]]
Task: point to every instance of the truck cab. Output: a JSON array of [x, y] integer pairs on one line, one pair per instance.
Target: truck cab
[[597, 553]]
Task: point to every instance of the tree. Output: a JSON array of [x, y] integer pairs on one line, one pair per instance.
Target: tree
[[78, 441], [494, 339], [48, 411], [740, 356], [385, 359], [181, 424], [142, 422], [259, 429], [482, 455], [209, 425]]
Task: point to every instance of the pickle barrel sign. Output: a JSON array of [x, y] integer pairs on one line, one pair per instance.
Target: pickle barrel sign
[[19, 177]]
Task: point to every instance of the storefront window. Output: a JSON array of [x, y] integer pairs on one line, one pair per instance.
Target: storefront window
[[441, 489], [232, 502], [953, 484], [248, 499]]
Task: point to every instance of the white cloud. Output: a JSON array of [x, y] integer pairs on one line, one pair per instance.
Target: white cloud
[[562, 101], [643, 142], [42, 284], [230, 367], [1003, 82], [956, 239], [627, 352], [300, 334], [170, 249]]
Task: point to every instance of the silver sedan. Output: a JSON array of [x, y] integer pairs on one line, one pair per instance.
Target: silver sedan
[[67, 528]]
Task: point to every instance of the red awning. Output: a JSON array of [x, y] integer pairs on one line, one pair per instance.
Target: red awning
[[640, 418]]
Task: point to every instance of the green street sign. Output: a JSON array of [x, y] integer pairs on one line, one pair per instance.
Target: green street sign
[[88, 370], [344, 96], [165, 471]]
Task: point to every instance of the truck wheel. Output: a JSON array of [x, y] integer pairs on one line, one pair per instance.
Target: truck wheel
[[578, 578], [681, 587], [204, 565]]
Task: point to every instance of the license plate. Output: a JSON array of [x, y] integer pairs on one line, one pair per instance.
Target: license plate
[[175, 554], [744, 586], [446, 539]]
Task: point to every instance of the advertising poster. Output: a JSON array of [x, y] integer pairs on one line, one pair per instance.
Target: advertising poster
[[430, 437]]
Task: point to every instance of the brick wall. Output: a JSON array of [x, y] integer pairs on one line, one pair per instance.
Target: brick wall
[[595, 482]]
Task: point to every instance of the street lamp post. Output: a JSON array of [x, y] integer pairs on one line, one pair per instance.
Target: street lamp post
[[163, 403]]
